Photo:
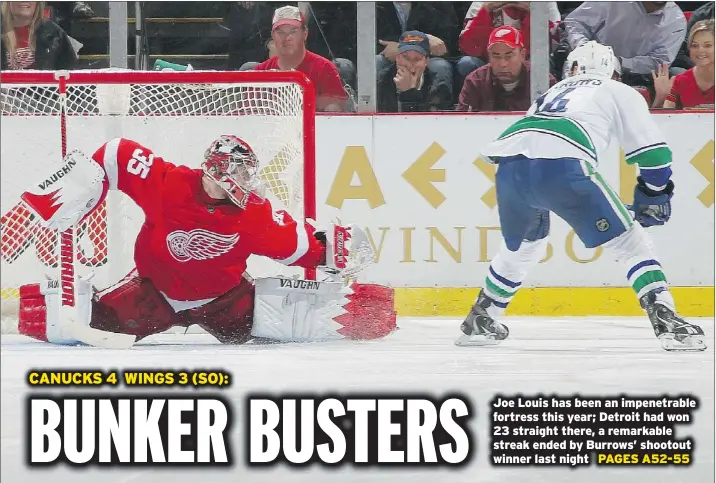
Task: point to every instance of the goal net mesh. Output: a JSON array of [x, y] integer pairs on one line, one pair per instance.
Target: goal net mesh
[[177, 121]]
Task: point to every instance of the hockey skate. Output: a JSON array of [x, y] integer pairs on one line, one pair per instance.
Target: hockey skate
[[479, 329], [673, 332]]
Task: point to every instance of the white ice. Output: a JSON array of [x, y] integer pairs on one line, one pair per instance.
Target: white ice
[[564, 356]]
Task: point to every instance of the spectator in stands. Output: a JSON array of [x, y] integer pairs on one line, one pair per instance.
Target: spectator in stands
[[289, 34], [438, 21], [64, 11], [483, 17], [30, 41], [695, 87], [504, 83], [642, 34], [704, 12], [406, 85]]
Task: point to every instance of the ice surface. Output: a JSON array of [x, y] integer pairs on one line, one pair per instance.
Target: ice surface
[[590, 356]]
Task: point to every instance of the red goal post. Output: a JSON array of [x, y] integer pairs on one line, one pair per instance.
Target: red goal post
[[177, 115]]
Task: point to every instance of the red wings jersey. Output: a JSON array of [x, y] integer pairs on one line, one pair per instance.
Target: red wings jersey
[[191, 246]]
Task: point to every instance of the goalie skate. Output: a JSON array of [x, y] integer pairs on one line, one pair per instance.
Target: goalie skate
[[673, 332], [479, 329]]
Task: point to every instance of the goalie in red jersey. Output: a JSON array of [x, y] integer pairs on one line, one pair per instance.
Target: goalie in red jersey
[[201, 226]]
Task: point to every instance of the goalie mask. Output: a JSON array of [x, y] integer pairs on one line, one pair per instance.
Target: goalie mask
[[232, 164]]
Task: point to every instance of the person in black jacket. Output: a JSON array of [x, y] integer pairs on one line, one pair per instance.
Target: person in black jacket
[[438, 21], [30, 41], [406, 85]]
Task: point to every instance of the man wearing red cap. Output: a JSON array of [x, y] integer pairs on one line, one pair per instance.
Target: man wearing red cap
[[289, 34], [504, 83]]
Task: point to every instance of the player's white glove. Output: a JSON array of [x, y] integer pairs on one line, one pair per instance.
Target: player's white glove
[[348, 250], [62, 197]]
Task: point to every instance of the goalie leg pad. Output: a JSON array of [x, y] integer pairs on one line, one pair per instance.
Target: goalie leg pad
[[293, 310], [229, 317], [39, 315], [133, 306], [370, 312]]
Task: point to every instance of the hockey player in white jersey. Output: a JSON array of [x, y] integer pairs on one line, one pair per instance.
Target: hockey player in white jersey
[[547, 162]]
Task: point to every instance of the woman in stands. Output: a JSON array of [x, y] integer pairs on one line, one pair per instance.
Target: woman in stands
[[30, 41], [694, 88]]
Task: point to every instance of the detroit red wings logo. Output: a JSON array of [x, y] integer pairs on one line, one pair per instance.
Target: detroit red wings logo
[[199, 244]]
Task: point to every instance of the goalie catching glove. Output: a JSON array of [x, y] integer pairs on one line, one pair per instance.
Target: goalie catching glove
[[69, 194], [348, 250]]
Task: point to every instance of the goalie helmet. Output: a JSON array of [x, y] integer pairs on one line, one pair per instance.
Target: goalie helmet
[[592, 58], [233, 165]]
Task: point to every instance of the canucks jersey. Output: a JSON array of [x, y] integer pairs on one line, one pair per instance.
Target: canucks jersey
[[578, 117]]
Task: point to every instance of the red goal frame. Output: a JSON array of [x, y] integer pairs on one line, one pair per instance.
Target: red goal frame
[[62, 79]]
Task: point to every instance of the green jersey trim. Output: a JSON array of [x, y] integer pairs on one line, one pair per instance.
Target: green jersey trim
[[653, 156], [561, 127]]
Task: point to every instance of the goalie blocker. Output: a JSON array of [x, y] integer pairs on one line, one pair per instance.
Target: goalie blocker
[[272, 309]]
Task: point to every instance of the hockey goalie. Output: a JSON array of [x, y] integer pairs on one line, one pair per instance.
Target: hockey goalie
[[201, 226]]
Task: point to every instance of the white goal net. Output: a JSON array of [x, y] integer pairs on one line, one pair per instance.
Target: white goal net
[[177, 115]]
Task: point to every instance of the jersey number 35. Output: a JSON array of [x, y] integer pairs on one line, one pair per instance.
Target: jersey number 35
[[140, 164]]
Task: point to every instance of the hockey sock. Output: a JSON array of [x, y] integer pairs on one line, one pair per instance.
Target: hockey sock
[[634, 250], [507, 272]]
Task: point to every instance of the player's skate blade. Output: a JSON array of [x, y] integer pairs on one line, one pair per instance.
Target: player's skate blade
[[682, 343], [477, 340], [673, 332], [478, 328]]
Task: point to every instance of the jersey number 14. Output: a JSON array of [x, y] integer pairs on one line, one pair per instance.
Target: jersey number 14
[[557, 104]]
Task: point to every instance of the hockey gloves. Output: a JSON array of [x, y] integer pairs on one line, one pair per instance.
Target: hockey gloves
[[348, 250], [652, 208], [68, 193]]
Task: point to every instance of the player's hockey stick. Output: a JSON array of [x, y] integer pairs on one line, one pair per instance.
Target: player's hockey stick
[[69, 314]]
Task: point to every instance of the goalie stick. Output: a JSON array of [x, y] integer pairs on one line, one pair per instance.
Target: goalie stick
[[67, 248]]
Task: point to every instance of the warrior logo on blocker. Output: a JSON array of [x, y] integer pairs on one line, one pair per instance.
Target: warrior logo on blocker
[[199, 244]]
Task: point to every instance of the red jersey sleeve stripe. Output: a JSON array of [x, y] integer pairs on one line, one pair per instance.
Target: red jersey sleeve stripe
[[110, 162], [301, 245]]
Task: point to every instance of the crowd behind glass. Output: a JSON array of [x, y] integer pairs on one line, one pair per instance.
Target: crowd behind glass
[[430, 56]]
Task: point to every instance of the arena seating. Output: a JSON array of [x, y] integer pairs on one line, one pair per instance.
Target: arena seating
[[181, 32]]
